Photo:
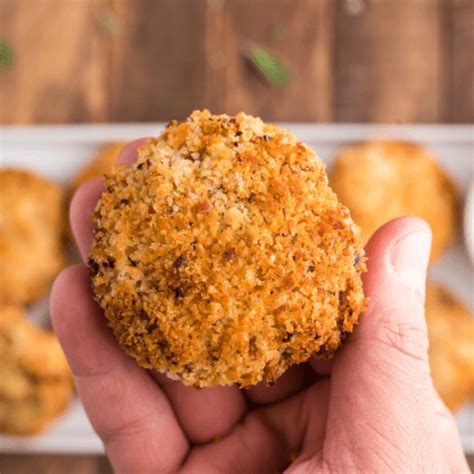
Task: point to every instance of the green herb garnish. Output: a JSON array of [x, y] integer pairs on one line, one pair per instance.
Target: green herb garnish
[[6, 54], [108, 24], [269, 66], [277, 33]]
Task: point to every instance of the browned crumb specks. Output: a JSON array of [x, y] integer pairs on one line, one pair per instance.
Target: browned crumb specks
[[31, 246], [35, 382], [222, 255]]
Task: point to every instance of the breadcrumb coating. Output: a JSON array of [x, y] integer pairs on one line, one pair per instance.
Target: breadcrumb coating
[[31, 235], [35, 382], [222, 256], [380, 180], [451, 335]]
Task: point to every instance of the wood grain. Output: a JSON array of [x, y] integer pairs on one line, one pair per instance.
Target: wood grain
[[306, 49], [461, 98], [351, 60], [57, 75], [53, 464], [389, 61], [158, 67]]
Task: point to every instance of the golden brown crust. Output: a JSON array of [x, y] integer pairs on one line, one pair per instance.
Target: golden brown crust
[[35, 381], [451, 334], [381, 180], [31, 243], [222, 256]]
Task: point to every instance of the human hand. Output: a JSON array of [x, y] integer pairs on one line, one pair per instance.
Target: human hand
[[373, 408]]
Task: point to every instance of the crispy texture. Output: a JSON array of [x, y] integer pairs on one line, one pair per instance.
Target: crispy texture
[[35, 382], [31, 239], [381, 180], [222, 256], [451, 334]]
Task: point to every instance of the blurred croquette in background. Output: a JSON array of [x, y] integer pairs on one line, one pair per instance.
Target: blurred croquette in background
[[35, 221]]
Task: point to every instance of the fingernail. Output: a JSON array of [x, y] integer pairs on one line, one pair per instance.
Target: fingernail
[[409, 257]]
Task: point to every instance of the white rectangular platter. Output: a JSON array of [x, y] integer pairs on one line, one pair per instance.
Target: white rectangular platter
[[58, 152]]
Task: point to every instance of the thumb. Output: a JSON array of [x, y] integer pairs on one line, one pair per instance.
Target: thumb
[[381, 406], [394, 324]]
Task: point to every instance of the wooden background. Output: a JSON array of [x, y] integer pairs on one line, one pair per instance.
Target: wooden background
[[351, 61]]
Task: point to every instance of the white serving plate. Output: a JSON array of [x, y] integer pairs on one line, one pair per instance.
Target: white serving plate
[[58, 152]]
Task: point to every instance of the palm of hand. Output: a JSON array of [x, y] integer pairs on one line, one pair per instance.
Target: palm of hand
[[373, 409]]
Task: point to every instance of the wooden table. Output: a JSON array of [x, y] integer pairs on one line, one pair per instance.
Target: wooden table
[[149, 60], [54, 464]]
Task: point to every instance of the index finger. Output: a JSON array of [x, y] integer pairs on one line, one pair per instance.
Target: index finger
[[203, 414], [85, 199], [127, 409]]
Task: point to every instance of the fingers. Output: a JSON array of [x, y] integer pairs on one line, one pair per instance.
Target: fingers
[[85, 199], [449, 437], [395, 284], [203, 414], [322, 367], [80, 213], [291, 382], [380, 379], [130, 151], [209, 413], [126, 408], [270, 438]]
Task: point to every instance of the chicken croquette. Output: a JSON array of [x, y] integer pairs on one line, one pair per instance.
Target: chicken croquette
[[222, 256], [451, 335], [35, 382], [381, 180], [31, 235]]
